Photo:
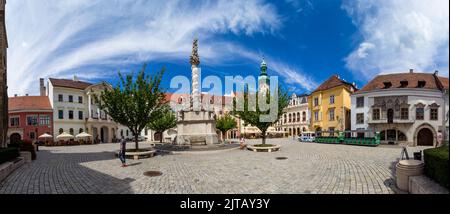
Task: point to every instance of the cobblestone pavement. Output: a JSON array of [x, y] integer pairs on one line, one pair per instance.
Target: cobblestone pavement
[[310, 169]]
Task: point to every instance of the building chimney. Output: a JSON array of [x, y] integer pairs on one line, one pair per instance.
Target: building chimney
[[42, 88], [75, 78], [411, 71]]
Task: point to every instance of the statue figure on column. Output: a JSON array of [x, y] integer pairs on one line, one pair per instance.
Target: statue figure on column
[[195, 59]]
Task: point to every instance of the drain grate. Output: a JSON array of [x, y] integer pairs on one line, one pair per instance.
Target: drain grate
[[153, 173], [281, 158]]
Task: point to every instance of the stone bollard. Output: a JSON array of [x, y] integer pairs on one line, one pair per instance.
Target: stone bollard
[[405, 169], [26, 156]]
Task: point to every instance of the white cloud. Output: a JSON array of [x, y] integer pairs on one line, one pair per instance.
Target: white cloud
[[399, 35], [53, 37], [292, 75]]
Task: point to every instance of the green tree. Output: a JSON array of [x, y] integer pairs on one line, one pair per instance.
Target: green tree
[[224, 124], [134, 101], [164, 121], [252, 114]]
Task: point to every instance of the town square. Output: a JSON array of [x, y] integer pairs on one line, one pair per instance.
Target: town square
[[218, 97], [308, 169]]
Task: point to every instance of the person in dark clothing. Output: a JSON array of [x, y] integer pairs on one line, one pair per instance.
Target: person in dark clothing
[[123, 148]]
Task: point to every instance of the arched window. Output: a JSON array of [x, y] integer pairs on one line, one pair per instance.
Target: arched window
[[61, 131], [290, 118], [401, 136], [285, 120], [304, 116], [81, 131], [298, 117], [121, 132], [71, 131]]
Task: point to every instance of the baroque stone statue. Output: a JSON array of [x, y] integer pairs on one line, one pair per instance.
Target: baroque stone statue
[[195, 59]]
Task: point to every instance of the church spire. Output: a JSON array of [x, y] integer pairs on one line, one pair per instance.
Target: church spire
[[195, 58], [263, 68]]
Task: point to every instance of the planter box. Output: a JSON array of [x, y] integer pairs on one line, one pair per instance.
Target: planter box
[[26, 156], [138, 155], [274, 148]]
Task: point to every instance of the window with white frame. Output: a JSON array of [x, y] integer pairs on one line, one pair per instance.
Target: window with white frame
[[32, 120], [376, 113], [14, 121], [332, 99], [404, 113], [359, 102], [331, 114], [44, 120], [360, 118]]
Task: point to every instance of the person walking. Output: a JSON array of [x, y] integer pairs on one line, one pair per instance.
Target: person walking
[[123, 149]]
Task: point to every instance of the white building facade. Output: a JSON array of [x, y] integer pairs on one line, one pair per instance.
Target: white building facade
[[406, 108], [296, 118], [75, 110]]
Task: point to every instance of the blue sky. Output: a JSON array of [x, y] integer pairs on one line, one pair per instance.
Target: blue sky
[[303, 41]]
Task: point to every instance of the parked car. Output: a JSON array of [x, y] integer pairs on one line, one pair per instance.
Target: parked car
[[142, 138], [307, 137]]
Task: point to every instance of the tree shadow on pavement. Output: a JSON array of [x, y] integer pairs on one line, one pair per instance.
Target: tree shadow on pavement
[[64, 173]]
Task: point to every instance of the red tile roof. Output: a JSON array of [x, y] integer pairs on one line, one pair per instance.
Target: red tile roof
[[444, 81], [65, 83], [431, 81], [29, 103], [176, 97], [333, 82]]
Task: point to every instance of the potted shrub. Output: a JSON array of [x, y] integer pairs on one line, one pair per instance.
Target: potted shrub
[[28, 146]]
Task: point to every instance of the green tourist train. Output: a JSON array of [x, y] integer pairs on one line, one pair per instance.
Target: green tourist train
[[359, 137]]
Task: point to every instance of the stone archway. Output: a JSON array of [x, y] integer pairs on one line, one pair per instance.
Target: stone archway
[[15, 138], [425, 135]]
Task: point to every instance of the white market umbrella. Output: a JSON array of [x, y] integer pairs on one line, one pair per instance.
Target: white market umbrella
[[45, 136], [83, 135], [64, 136], [252, 131]]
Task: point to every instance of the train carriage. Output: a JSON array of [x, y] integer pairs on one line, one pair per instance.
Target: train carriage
[[358, 137]]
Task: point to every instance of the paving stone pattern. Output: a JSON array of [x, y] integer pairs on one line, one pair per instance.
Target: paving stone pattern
[[309, 169]]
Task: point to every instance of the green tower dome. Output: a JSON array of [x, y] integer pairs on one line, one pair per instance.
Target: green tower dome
[[263, 68]]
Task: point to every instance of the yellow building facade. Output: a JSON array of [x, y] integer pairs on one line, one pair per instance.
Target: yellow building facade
[[330, 105]]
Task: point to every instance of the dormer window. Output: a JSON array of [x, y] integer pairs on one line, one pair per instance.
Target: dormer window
[[421, 84], [403, 84], [387, 85]]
